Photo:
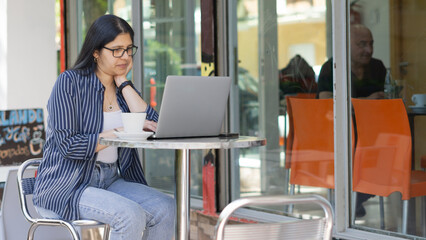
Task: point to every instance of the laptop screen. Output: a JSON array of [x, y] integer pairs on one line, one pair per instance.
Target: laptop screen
[[193, 106]]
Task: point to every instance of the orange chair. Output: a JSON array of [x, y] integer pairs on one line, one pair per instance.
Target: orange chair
[[289, 139], [382, 162], [423, 162], [312, 155], [290, 135]]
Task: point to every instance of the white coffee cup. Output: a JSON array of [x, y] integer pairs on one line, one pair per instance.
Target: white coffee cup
[[419, 100], [133, 122]]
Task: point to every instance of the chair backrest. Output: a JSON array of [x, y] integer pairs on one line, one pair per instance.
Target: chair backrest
[[12, 219], [382, 162], [290, 135], [26, 185], [14, 224], [312, 155], [320, 228], [47, 229]]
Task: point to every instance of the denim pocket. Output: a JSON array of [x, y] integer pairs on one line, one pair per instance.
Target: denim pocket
[[94, 181]]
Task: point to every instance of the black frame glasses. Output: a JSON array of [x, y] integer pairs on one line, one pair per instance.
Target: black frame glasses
[[119, 52]]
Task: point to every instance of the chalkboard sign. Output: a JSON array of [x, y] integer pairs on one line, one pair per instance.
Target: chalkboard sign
[[21, 135]]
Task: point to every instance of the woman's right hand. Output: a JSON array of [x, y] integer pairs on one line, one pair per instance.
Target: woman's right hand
[[150, 126], [107, 134]]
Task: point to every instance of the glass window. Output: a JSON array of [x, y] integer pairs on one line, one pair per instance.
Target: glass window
[[282, 45], [171, 46], [284, 56], [386, 61], [89, 10]]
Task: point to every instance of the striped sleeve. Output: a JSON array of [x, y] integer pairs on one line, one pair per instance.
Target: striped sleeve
[[151, 114], [72, 144]]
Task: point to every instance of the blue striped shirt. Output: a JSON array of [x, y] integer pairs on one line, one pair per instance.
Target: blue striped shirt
[[75, 119]]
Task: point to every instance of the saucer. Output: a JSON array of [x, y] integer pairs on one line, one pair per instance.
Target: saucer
[[417, 109], [133, 136]]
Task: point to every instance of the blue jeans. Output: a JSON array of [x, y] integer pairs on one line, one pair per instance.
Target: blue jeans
[[132, 210]]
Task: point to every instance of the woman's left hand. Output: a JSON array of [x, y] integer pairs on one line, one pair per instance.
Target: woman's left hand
[[150, 126]]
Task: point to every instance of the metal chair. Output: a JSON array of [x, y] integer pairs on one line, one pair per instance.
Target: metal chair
[[26, 187], [320, 228]]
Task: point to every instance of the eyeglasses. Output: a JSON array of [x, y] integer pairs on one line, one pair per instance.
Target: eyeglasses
[[119, 52]]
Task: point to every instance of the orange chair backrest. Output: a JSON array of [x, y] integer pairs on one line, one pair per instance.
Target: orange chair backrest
[[312, 156], [382, 161], [289, 139]]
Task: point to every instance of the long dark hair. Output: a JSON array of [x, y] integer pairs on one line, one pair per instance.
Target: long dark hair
[[103, 30]]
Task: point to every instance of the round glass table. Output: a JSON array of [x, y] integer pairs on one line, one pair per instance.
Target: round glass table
[[182, 147]]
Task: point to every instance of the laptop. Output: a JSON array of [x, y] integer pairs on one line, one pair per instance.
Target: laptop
[[192, 106]]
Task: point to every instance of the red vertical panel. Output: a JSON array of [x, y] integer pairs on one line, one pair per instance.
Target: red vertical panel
[[208, 69], [62, 50], [207, 38]]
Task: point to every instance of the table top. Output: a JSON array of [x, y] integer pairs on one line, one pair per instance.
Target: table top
[[416, 112], [187, 143]]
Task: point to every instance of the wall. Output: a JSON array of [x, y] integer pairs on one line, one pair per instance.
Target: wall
[[289, 34], [375, 15], [27, 53], [3, 55], [308, 33]]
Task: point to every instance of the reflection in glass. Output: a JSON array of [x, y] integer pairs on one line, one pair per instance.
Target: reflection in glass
[[382, 162], [298, 52], [382, 47], [312, 153], [171, 30], [92, 9]]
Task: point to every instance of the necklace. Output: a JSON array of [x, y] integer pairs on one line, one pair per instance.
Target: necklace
[[110, 107]]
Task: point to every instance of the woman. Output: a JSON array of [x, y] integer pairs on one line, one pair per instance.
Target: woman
[[81, 179]]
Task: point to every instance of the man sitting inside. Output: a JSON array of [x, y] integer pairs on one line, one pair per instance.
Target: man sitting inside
[[367, 80]]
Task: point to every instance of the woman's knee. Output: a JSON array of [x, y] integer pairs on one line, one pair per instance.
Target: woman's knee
[[166, 209], [129, 217]]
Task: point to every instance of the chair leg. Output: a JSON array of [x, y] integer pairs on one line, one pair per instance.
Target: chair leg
[[382, 213], [286, 181], [330, 196], [33, 227], [353, 204], [424, 215], [31, 231], [404, 216], [290, 206], [287, 185], [106, 232], [72, 230]]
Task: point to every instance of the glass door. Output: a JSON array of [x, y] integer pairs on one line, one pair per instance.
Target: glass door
[[387, 54], [171, 46], [281, 47]]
